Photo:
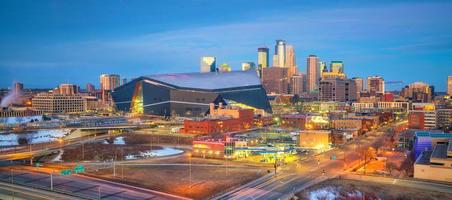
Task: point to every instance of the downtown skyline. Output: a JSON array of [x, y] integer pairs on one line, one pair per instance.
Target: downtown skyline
[[66, 44]]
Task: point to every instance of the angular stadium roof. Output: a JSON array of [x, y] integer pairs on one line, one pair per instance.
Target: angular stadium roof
[[209, 81]]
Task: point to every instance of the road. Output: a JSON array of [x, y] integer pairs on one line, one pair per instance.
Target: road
[[45, 149], [81, 186], [295, 177]]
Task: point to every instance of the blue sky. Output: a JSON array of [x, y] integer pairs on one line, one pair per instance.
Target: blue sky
[[44, 43]]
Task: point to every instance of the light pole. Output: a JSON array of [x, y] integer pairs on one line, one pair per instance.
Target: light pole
[[51, 180]]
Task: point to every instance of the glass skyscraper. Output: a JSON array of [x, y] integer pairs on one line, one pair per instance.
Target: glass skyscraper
[[208, 64]]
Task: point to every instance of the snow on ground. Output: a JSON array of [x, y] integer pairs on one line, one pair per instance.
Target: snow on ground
[[19, 120], [332, 193], [119, 140], [58, 157], [166, 151], [34, 137]]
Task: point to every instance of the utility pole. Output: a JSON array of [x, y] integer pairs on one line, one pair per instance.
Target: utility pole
[[51, 180]]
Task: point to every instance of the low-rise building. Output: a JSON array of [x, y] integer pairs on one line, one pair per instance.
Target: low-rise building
[[435, 164], [293, 121], [315, 139]]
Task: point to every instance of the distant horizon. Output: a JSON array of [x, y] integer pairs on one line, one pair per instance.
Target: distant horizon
[[47, 43]]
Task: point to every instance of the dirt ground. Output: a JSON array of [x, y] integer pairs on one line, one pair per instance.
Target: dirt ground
[[206, 181], [351, 189]]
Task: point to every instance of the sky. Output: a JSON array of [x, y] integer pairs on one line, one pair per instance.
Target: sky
[[48, 42]]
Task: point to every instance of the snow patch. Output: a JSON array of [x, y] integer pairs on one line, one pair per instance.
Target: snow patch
[[166, 151]]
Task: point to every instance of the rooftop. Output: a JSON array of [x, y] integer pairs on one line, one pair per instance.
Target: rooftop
[[209, 81], [424, 158], [440, 151]]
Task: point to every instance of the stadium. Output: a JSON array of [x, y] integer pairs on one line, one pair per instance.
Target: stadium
[[189, 94]]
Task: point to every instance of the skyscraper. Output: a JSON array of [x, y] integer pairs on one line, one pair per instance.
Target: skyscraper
[[208, 64], [262, 57], [337, 89], [280, 53], [449, 85], [290, 61], [18, 87], [359, 83], [90, 88], [337, 66], [68, 89], [375, 84], [312, 74], [108, 82], [248, 65], [296, 85], [322, 67], [275, 80]]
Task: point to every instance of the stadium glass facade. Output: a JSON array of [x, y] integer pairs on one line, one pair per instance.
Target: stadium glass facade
[[190, 94]]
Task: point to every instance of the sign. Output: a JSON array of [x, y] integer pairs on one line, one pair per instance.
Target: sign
[[65, 172], [79, 169]]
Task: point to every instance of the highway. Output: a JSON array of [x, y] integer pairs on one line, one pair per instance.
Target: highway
[[80, 186], [37, 150], [292, 178]]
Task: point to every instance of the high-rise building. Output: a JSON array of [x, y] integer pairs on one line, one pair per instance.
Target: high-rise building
[[275, 80], [449, 85], [208, 64], [68, 89], [90, 88], [359, 83], [262, 57], [248, 65], [59, 103], [18, 88], [418, 92], [290, 61], [296, 85], [337, 66], [322, 67], [336, 89], [280, 53], [375, 84], [108, 82], [312, 74]]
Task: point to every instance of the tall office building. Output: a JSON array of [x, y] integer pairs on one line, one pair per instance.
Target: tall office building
[[375, 84], [449, 85], [68, 89], [296, 85], [337, 89], [18, 88], [418, 92], [90, 88], [322, 67], [248, 66], [290, 61], [275, 80], [208, 64], [312, 74], [280, 53], [359, 83], [337, 66], [108, 82], [262, 57]]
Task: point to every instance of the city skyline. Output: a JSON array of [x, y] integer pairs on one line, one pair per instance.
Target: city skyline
[[414, 39]]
